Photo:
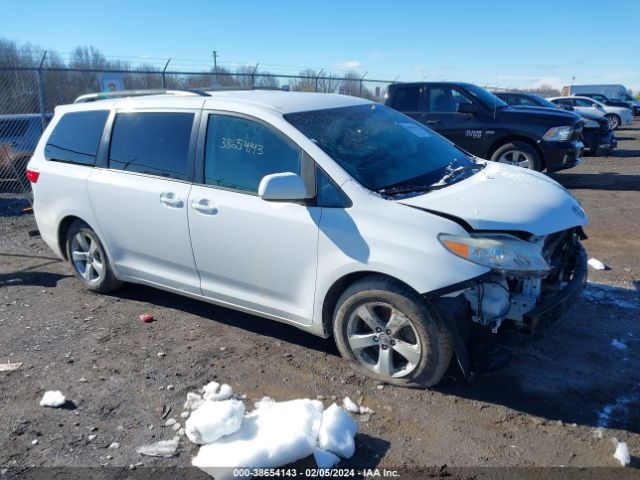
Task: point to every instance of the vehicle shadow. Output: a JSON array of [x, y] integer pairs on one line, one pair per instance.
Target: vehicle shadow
[[627, 153], [12, 205], [31, 279], [583, 369], [227, 316], [599, 181]]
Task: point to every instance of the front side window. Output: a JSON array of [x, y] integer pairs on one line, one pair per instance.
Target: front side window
[[155, 143], [76, 137], [240, 152], [584, 103], [379, 147], [446, 99]]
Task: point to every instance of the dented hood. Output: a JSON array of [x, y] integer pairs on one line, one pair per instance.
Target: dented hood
[[502, 197]]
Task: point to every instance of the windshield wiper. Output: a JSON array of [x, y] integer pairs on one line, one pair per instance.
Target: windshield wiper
[[408, 189], [435, 186], [456, 172]]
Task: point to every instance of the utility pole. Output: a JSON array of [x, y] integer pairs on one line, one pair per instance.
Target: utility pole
[[215, 65]]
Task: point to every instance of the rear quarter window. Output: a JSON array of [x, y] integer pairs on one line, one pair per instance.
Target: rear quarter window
[[76, 137]]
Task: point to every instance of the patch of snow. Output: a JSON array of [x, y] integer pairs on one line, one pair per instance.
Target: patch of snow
[[337, 431], [53, 398], [618, 344], [193, 401], [620, 406], [163, 448], [171, 421], [215, 391], [596, 264], [350, 406], [272, 435], [325, 459], [114, 445], [185, 414], [599, 292], [213, 420], [622, 454]]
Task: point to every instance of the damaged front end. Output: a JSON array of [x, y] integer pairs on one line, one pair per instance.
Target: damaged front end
[[533, 280]]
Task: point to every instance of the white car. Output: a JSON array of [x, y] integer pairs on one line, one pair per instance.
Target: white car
[[617, 116], [331, 213]]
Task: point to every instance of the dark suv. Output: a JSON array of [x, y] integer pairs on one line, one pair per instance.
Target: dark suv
[[485, 126], [597, 134], [19, 135]]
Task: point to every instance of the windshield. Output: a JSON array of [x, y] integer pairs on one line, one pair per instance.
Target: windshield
[[488, 99], [543, 102], [379, 147]]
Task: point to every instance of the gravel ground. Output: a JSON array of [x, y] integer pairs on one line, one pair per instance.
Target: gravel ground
[[558, 401]]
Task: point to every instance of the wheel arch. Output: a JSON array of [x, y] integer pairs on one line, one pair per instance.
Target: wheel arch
[[63, 228], [340, 285]]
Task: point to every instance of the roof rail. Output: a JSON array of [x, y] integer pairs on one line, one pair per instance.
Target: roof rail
[[92, 97]]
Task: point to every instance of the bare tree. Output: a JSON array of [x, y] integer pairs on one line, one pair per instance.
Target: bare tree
[[328, 83], [307, 82]]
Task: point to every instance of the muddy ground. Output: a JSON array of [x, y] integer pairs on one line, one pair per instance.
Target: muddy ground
[[558, 401]]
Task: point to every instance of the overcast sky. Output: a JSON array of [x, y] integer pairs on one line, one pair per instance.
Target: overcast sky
[[489, 42]]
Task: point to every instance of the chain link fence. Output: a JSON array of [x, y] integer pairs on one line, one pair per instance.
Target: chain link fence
[[29, 95]]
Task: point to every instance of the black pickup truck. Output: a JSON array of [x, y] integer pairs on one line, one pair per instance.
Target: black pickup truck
[[485, 126]]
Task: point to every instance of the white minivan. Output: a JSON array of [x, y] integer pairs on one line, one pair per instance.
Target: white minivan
[[328, 212]]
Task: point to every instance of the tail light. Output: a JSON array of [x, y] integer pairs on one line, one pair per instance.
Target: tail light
[[32, 176]]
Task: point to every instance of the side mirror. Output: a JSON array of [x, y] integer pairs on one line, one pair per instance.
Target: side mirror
[[282, 187], [466, 107]]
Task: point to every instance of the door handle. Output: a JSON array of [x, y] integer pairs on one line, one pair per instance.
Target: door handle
[[171, 199], [433, 122], [205, 206]]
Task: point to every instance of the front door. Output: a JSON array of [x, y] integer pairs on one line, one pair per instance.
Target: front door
[[258, 255], [463, 129], [140, 200]]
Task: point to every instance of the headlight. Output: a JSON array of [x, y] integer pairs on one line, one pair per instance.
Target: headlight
[[502, 253], [591, 124], [558, 134]]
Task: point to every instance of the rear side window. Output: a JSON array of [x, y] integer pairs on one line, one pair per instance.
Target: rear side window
[[155, 143], [76, 137], [407, 99], [240, 152]]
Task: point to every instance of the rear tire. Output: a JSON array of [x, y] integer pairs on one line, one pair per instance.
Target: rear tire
[[385, 331], [89, 260], [520, 154]]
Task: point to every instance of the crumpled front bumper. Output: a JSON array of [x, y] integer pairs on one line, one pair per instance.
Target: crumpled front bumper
[[548, 310]]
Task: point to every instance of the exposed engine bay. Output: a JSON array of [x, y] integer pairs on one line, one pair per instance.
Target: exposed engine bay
[[511, 296]]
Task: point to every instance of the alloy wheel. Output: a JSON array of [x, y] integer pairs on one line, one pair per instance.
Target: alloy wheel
[[383, 339], [86, 257], [515, 157]]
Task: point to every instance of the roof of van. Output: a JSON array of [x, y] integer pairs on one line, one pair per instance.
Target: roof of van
[[279, 100]]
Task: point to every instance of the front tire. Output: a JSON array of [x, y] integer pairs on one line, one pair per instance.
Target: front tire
[[614, 121], [385, 331], [519, 154], [89, 259]]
